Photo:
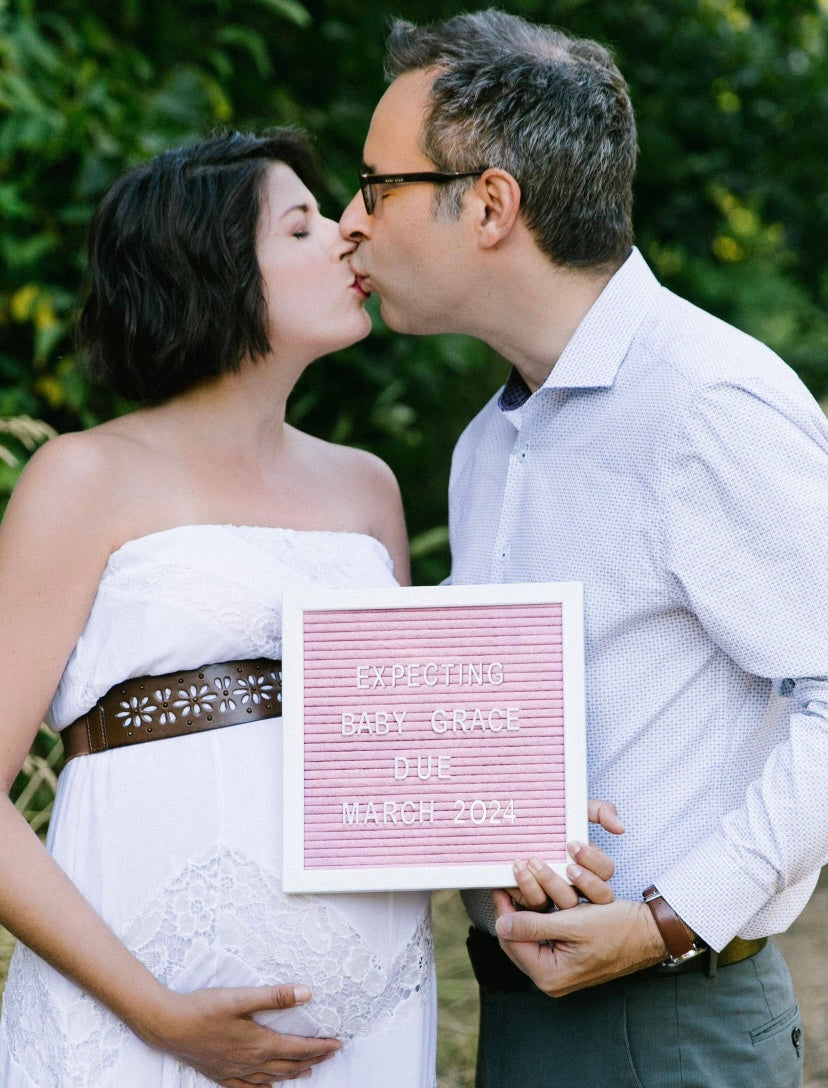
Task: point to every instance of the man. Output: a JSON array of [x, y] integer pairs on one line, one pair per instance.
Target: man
[[679, 470]]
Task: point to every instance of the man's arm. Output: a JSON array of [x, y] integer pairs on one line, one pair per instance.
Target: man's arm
[[746, 542]]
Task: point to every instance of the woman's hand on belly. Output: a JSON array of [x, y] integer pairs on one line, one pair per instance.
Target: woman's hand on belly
[[213, 1030]]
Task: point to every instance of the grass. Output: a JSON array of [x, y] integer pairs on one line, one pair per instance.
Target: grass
[[456, 994]]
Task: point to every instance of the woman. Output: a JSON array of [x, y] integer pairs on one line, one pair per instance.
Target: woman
[[161, 541], [133, 556]]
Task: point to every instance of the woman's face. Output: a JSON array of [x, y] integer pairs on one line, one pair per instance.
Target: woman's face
[[314, 301]]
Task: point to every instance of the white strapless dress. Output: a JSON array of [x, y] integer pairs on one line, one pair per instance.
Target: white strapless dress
[[177, 843]]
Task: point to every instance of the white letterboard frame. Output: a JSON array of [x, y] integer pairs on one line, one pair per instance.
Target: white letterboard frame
[[432, 735]]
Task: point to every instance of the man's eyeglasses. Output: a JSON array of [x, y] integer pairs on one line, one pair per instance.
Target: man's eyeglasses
[[368, 182]]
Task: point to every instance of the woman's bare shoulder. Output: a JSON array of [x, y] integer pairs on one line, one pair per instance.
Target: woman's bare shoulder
[[358, 481], [365, 489], [78, 484], [365, 467], [81, 465]]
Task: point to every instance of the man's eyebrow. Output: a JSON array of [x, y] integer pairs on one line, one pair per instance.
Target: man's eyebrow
[[368, 169]]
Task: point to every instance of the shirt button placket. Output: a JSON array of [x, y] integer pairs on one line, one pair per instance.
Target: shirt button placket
[[510, 510]]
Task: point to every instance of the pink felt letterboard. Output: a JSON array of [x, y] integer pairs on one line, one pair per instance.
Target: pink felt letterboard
[[431, 736]]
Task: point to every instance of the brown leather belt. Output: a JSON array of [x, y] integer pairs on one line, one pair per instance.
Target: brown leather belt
[[494, 970], [178, 703]]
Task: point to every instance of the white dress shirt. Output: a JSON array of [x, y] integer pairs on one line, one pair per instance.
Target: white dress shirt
[[679, 470]]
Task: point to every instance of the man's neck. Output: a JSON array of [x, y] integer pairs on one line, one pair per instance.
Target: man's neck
[[534, 309]]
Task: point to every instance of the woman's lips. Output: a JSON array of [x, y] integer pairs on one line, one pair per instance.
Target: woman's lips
[[359, 286]]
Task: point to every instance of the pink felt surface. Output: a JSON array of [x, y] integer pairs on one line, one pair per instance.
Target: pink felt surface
[[433, 736]]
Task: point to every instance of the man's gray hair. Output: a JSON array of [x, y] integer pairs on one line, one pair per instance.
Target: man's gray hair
[[550, 109]]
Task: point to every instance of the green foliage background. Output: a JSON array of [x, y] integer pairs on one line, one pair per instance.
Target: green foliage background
[[731, 209], [731, 200]]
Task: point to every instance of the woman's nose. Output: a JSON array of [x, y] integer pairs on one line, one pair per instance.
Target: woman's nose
[[355, 223], [340, 247]]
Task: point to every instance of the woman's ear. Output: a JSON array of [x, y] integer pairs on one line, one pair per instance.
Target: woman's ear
[[499, 206]]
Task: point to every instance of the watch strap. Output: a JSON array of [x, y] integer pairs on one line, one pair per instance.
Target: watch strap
[[680, 940]]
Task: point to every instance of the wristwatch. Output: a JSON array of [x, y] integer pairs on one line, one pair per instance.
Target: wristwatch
[[682, 943]]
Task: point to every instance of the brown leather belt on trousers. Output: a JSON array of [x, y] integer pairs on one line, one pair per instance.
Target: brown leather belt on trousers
[[178, 703]]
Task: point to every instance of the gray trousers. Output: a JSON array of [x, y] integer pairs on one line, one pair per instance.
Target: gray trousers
[[739, 1029]]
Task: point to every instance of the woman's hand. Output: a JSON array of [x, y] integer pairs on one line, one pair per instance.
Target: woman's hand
[[539, 888], [213, 1031]]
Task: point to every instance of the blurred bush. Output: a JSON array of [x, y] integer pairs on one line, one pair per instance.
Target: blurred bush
[[731, 201]]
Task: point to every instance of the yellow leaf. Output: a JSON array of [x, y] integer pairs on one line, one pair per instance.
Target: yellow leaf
[[23, 301]]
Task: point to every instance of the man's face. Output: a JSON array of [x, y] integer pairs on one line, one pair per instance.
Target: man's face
[[413, 261]]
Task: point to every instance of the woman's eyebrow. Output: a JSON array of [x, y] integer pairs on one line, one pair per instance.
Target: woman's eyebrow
[[304, 207]]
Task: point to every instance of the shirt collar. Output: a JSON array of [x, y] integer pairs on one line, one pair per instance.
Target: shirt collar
[[598, 346]]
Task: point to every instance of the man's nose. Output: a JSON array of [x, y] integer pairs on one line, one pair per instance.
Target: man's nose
[[355, 222]]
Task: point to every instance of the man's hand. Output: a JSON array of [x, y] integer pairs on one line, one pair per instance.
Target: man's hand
[[570, 950], [574, 945], [606, 814], [539, 888]]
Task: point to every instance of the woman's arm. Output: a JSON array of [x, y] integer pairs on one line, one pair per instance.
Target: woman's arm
[[53, 549]]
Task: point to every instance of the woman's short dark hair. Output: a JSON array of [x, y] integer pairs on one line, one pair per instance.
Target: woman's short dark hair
[[175, 294]]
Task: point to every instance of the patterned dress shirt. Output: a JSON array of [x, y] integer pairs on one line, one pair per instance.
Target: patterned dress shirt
[[679, 470]]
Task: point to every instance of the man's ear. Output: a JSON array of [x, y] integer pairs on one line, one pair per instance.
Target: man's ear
[[499, 206]]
